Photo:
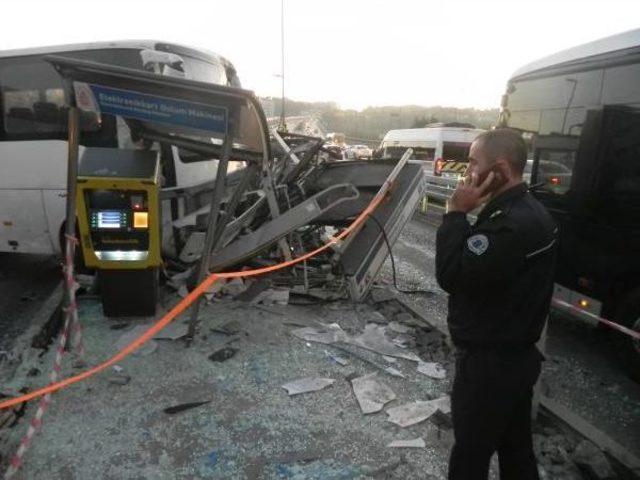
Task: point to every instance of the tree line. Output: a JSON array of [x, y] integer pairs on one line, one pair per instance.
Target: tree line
[[369, 125]]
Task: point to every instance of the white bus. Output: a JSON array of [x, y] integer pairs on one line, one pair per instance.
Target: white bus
[[444, 146], [33, 133], [579, 111]]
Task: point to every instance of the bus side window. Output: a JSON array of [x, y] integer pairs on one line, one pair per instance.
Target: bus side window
[[33, 102], [555, 168], [553, 165]]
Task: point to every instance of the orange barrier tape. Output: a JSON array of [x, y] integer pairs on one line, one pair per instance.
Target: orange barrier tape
[[186, 303]]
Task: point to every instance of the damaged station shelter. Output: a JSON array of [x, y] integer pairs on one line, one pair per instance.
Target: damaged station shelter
[[266, 197]]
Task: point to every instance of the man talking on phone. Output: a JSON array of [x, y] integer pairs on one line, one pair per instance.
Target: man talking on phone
[[498, 273]]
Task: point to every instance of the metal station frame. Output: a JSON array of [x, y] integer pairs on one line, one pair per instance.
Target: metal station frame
[[175, 89]]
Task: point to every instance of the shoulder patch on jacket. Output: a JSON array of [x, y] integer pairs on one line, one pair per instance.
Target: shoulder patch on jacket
[[478, 244]]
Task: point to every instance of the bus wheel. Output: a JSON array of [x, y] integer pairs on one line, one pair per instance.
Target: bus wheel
[[629, 316]]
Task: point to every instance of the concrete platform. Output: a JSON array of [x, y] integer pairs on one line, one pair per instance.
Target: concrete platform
[[111, 428]]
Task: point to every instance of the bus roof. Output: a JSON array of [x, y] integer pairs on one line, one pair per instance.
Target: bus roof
[[201, 54], [613, 46]]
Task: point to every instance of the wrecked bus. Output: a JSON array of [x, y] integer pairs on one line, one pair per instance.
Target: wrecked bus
[[579, 111]]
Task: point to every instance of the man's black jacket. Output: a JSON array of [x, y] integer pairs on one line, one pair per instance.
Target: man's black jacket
[[498, 272]]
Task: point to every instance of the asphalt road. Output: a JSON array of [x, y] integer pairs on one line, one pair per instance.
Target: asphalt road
[[26, 281], [582, 371]]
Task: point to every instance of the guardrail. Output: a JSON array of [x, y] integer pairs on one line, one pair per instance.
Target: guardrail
[[440, 188]]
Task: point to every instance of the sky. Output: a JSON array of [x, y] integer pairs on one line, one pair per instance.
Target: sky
[[356, 53]]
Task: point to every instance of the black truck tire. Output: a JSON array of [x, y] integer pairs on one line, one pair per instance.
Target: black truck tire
[[629, 316]]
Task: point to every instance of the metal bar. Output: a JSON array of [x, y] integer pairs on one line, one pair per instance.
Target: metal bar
[[231, 207], [448, 181], [214, 212], [72, 189], [267, 186], [200, 147], [287, 150], [72, 172]]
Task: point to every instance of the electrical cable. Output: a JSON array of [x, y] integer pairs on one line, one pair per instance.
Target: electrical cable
[[393, 262]]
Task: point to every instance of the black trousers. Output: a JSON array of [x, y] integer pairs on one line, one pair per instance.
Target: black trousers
[[491, 411]]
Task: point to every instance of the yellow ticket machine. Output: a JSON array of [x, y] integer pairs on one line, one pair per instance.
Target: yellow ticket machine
[[119, 222]]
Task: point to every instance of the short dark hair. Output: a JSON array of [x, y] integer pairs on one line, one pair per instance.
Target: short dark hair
[[507, 143]]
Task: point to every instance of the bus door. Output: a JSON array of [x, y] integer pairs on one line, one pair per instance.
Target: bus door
[[554, 159]]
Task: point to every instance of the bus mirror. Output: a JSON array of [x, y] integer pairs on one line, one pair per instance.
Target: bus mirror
[[163, 63]]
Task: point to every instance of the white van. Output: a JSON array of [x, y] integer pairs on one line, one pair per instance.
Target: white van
[[444, 147], [33, 133]]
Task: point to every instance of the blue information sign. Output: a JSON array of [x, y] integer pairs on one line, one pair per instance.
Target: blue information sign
[[151, 108]]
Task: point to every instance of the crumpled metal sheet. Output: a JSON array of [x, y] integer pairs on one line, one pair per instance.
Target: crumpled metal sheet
[[371, 394], [416, 412], [308, 384]]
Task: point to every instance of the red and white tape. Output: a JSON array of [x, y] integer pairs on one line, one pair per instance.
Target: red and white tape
[[71, 320], [567, 307], [72, 305]]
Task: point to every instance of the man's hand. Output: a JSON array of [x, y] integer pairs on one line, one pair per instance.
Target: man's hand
[[469, 195]]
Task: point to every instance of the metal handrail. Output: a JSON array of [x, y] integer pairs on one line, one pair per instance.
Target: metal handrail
[[440, 188]]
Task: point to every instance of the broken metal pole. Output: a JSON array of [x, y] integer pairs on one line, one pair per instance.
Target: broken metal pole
[[232, 205], [70, 222], [214, 213], [268, 187], [72, 171]]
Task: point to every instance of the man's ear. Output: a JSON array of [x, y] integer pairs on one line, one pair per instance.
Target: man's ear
[[502, 166]]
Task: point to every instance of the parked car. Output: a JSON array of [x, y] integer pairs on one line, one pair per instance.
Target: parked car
[[335, 152], [361, 152]]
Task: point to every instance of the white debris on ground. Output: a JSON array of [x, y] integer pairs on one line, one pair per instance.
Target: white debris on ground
[[306, 385], [372, 395], [413, 412], [415, 443], [265, 391], [218, 409], [432, 369]]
